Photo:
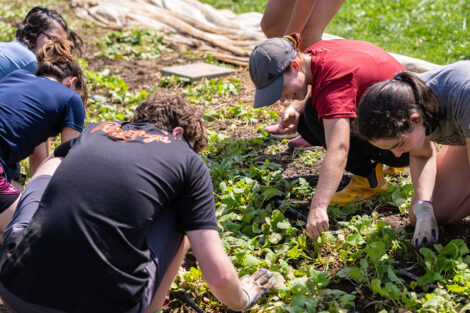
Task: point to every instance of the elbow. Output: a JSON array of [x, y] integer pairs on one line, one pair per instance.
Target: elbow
[[340, 149]]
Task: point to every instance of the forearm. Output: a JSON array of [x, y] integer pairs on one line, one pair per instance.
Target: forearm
[[40, 153], [331, 172], [423, 175], [300, 15], [217, 270], [227, 288]]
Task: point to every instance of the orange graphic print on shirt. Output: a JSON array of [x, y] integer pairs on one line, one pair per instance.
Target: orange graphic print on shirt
[[115, 131]]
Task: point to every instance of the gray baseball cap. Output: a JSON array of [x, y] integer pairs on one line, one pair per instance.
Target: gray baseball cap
[[268, 61]]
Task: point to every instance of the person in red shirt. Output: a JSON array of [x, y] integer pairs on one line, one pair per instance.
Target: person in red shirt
[[307, 17], [339, 72]]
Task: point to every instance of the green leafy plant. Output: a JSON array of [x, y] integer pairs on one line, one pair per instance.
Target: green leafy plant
[[133, 43]]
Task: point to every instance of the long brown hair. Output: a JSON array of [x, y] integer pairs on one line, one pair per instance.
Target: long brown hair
[[385, 109], [55, 59]]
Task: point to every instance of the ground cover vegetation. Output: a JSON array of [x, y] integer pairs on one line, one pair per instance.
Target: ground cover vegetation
[[365, 263]]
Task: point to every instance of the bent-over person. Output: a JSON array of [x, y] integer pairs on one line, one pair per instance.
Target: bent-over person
[[103, 230]]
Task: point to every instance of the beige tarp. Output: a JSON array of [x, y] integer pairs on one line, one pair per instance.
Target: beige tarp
[[233, 35]]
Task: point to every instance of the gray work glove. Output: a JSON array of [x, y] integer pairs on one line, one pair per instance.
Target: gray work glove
[[255, 286], [426, 230]]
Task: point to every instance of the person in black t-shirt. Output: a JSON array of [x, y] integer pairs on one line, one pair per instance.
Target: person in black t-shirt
[[103, 229]]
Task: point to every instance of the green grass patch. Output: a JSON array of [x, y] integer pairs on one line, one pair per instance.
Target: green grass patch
[[436, 31], [133, 43], [432, 30]]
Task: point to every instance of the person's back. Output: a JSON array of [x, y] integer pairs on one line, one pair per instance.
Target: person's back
[[94, 231], [341, 67], [16, 55], [33, 109]]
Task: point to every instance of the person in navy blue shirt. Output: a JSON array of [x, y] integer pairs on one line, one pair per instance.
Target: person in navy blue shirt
[[34, 108], [39, 26]]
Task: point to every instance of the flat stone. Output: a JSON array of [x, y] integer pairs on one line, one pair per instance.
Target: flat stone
[[197, 71]]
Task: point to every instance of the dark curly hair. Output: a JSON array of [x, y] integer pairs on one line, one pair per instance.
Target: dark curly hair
[[39, 20], [168, 112], [385, 109], [55, 59]]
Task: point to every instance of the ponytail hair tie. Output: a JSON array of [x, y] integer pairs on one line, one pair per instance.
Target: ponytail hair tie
[[291, 39], [294, 39]]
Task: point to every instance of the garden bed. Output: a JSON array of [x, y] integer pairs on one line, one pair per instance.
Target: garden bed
[[258, 181]]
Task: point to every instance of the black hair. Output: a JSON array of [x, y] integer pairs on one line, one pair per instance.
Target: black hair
[[385, 109], [39, 20]]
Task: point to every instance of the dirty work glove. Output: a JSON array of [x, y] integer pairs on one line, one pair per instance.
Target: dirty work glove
[[426, 231], [255, 286]]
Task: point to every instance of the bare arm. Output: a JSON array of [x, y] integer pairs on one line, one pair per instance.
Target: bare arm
[[41, 152], [68, 133], [337, 140], [216, 267], [423, 171], [423, 176], [300, 15]]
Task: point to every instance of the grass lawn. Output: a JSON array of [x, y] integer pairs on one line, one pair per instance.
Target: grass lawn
[[433, 30]]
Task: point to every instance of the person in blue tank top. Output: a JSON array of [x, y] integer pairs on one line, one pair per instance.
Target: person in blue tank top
[[34, 108], [39, 26]]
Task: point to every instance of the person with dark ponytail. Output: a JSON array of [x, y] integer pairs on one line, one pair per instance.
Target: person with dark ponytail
[[39, 26], [34, 108], [406, 115], [338, 72]]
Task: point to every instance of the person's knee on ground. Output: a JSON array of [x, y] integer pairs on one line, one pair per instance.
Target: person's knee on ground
[[451, 194]]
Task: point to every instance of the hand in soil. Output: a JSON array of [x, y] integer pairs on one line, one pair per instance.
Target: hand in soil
[[317, 222], [426, 230], [289, 121], [256, 285]]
